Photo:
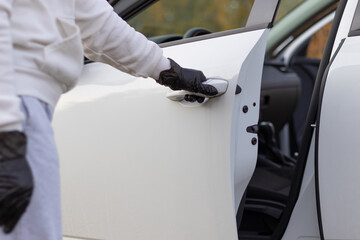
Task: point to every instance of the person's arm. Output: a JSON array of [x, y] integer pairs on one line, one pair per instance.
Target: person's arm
[[109, 39], [10, 114]]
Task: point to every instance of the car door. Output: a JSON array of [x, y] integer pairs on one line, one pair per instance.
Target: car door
[[140, 162], [338, 134]]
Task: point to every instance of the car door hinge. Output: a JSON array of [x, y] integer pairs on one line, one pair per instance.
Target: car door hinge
[[252, 129]]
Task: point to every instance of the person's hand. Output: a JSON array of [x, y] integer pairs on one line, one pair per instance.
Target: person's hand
[[16, 180], [178, 78]]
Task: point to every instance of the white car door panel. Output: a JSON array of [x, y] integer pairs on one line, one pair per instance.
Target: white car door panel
[[338, 137], [138, 165]]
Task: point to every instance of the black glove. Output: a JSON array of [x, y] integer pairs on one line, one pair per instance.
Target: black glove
[[16, 180], [178, 78]]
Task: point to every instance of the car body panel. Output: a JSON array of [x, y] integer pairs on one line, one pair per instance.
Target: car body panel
[[303, 223], [338, 146], [137, 165], [338, 138], [243, 162]]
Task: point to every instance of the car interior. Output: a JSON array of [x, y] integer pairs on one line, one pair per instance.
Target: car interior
[[286, 91]]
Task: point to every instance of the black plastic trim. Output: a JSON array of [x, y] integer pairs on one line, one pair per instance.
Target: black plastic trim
[[308, 131], [317, 189], [253, 129], [238, 90], [355, 26], [354, 33], [133, 9]]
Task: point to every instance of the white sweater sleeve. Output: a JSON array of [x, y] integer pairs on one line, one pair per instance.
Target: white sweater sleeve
[[109, 39], [10, 114]]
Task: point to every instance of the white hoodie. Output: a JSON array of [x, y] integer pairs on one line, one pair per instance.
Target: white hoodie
[[42, 43]]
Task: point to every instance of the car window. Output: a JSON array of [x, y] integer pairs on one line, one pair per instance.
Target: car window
[[285, 7], [169, 17], [298, 32], [177, 17], [317, 42]]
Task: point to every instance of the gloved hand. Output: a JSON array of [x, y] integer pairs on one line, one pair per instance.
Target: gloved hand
[[16, 180], [178, 78]]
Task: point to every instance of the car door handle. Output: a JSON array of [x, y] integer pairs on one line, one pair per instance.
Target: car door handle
[[221, 86]]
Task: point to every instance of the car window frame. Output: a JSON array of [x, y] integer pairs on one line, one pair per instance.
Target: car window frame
[[129, 8]]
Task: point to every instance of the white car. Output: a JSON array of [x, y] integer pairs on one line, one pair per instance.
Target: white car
[[140, 162]]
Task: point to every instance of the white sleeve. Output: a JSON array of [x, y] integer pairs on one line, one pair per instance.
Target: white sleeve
[[10, 114], [109, 39]]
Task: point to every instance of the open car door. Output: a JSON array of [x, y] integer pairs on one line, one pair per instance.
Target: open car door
[[140, 162], [338, 134]]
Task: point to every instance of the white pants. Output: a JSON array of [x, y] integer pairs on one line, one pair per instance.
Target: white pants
[[42, 219]]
